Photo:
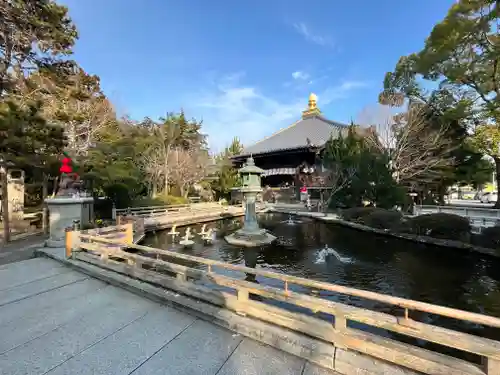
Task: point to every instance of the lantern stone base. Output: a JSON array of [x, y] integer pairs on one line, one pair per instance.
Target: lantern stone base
[[243, 238], [63, 211]]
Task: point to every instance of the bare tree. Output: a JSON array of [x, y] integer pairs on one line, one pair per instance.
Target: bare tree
[[151, 164], [77, 104], [187, 167], [336, 178], [417, 148]]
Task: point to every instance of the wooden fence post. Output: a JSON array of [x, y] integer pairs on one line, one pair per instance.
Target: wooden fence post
[[129, 233], [69, 243], [72, 241], [491, 366]]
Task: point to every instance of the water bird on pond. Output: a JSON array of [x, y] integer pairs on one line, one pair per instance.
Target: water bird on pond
[[173, 231], [291, 221], [203, 230], [208, 237], [327, 252], [186, 241]]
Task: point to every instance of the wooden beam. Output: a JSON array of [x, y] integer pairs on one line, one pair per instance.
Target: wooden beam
[[454, 339], [384, 349], [318, 285]]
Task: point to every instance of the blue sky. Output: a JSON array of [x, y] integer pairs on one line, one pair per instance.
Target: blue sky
[[247, 67]]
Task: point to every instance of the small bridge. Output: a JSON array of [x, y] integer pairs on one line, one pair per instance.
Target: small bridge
[[164, 217], [221, 323]]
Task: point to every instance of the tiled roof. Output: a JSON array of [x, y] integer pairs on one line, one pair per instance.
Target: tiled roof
[[309, 131]]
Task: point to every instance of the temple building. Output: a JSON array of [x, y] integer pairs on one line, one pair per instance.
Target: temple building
[[292, 156]]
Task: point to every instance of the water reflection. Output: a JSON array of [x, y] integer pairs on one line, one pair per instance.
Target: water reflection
[[394, 267]]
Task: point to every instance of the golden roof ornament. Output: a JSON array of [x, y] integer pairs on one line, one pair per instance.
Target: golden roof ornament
[[312, 107]]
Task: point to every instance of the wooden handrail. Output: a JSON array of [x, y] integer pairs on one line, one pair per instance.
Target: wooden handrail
[[459, 340], [166, 207], [341, 333], [105, 230], [153, 207], [172, 211], [373, 296]]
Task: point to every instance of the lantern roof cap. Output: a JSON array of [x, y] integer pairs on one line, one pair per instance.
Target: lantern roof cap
[[250, 167]]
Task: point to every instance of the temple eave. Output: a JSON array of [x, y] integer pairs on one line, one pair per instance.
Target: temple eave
[[269, 153]]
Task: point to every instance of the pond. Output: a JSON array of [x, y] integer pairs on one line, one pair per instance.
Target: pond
[[386, 265]]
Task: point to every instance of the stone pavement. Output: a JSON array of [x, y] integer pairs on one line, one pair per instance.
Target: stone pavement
[[21, 249], [54, 321]]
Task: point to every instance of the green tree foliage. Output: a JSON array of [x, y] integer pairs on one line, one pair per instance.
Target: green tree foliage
[[358, 172], [170, 137], [34, 34], [227, 176], [462, 55], [26, 139], [110, 167], [74, 100]]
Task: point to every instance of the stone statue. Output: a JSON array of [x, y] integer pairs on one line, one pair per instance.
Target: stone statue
[[69, 185]]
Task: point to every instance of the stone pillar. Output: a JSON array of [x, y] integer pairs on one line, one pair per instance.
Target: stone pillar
[[63, 211], [15, 194], [250, 223]]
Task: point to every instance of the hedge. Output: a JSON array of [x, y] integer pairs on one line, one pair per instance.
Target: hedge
[[439, 225], [489, 237], [160, 200]]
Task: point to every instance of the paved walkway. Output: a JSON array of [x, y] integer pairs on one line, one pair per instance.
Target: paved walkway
[[21, 249], [55, 321]]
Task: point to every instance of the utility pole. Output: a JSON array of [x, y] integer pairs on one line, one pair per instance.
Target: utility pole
[[5, 201]]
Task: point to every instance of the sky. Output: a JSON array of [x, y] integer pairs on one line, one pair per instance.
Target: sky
[[246, 68]]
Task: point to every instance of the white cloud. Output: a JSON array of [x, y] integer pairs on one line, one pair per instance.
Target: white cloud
[[340, 91], [299, 75], [312, 36], [231, 109]]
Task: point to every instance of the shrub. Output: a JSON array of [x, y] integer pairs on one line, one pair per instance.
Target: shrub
[[489, 237], [160, 200], [357, 213], [382, 219], [439, 225], [119, 193], [267, 194]]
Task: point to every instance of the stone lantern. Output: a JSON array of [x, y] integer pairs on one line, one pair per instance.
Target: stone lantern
[[250, 235]]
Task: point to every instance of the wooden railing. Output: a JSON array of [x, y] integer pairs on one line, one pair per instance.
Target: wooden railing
[[109, 254], [174, 210], [153, 210], [119, 235]]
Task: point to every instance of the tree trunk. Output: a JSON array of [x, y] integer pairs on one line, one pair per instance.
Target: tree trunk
[[45, 210], [5, 205], [165, 188], [497, 178], [182, 191], [165, 169]]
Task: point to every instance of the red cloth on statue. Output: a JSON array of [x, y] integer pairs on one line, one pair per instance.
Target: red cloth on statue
[[303, 189], [66, 166], [65, 169]]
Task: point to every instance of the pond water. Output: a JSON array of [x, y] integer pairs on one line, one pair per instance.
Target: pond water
[[394, 267]]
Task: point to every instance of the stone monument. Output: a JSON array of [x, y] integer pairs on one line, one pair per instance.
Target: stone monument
[[15, 194], [69, 205], [250, 235]]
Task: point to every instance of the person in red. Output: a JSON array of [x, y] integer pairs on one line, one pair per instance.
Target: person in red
[[303, 193]]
